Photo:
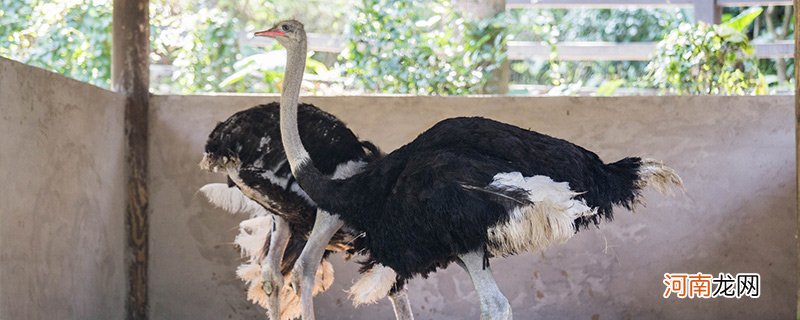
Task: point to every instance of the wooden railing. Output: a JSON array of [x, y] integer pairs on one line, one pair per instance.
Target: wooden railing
[[704, 10], [628, 51], [567, 51]]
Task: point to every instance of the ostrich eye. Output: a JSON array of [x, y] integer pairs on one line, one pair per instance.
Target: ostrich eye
[[285, 27]]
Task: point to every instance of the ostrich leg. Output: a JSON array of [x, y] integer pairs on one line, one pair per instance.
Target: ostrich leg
[[494, 306], [402, 308], [271, 269], [305, 269]]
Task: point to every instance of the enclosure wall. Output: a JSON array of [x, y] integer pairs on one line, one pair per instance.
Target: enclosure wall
[[735, 154], [62, 204]]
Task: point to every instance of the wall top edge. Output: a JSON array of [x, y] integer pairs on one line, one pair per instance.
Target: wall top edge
[[395, 96]]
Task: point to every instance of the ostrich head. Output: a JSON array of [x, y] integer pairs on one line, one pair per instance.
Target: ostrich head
[[289, 33], [221, 148]]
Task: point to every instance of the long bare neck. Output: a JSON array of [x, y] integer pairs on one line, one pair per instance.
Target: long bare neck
[[293, 78], [315, 184]]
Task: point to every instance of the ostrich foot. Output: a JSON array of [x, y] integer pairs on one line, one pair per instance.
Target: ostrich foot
[[273, 280], [296, 280]]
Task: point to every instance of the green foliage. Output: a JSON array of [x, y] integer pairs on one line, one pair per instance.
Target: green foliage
[[261, 69], [405, 46], [201, 47], [263, 72], [327, 17], [420, 47], [72, 38], [551, 26], [707, 59]]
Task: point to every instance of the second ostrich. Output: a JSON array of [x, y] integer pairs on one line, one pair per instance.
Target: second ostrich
[[463, 191], [247, 148]]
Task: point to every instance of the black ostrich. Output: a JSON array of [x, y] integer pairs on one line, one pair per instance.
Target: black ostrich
[[247, 148], [463, 191]]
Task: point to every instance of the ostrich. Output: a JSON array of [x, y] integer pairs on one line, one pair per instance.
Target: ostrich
[[247, 148], [463, 191]]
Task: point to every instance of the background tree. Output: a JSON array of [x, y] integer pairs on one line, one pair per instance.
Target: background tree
[[69, 37], [708, 59], [420, 47]]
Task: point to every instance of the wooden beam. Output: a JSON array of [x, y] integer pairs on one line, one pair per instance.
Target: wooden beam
[[130, 76], [568, 51], [596, 4], [582, 51], [750, 3], [626, 51], [623, 4], [797, 139], [777, 49]]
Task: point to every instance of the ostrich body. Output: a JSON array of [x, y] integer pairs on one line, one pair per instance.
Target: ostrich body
[[463, 191], [247, 149]]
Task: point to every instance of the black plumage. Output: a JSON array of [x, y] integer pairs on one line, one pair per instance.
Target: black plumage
[[431, 200], [249, 142]]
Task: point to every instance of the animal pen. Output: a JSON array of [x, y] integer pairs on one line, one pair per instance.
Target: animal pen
[[101, 219]]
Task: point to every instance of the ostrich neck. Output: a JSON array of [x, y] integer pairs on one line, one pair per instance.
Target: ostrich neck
[[292, 80], [314, 183]]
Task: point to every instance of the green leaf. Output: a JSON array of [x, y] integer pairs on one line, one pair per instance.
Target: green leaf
[[316, 66], [609, 87], [235, 77], [744, 19]]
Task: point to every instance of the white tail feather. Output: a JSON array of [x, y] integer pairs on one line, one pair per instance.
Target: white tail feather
[[655, 174], [256, 225], [548, 220], [253, 235], [374, 285], [249, 272], [231, 199]]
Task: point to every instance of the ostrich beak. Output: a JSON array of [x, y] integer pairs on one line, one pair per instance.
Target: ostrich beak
[[273, 32]]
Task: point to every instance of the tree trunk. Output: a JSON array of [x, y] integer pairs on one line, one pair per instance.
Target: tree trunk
[[477, 9], [780, 63]]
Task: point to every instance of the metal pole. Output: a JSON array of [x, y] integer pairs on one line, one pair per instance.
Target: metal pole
[[130, 76]]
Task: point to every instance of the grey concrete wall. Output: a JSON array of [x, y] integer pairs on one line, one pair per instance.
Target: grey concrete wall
[[736, 155], [62, 201]]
